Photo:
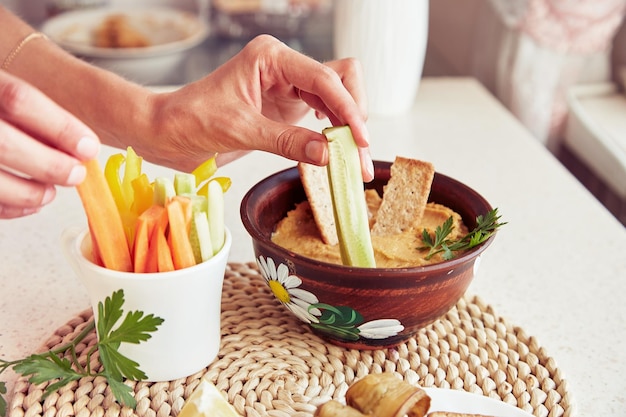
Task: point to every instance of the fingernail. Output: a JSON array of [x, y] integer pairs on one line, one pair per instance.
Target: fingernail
[[77, 175], [369, 165], [31, 210], [48, 195], [366, 136], [314, 151], [87, 147]]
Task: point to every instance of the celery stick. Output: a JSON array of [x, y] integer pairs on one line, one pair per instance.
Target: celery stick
[[349, 206]]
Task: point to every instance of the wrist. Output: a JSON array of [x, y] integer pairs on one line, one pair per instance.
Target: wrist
[[166, 126]]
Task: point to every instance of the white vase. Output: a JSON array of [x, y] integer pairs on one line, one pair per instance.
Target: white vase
[[389, 38]]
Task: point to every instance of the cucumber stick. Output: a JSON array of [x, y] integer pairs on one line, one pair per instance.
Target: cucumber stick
[[200, 236], [215, 197], [349, 206], [184, 183], [163, 190]]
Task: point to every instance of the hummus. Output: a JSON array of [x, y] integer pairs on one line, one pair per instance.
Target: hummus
[[298, 233]]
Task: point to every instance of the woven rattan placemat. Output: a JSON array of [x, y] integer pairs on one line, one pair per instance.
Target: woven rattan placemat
[[270, 364]]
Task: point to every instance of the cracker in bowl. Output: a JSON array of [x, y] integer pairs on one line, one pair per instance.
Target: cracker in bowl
[[405, 196], [315, 183]]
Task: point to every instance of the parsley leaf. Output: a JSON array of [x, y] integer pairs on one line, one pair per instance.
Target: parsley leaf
[[135, 328], [122, 392], [62, 366], [485, 226], [3, 402]]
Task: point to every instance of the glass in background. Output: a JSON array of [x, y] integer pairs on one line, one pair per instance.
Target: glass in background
[[389, 39]]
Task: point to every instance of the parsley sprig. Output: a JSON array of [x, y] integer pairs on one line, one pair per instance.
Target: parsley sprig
[[62, 364], [485, 226]]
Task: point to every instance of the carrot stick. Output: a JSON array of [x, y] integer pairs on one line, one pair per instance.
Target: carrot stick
[[182, 253], [152, 256], [164, 254], [95, 252], [141, 244], [104, 219], [186, 205], [144, 251]]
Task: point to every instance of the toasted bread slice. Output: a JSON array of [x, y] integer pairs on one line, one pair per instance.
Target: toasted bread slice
[[404, 197], [315, 182]]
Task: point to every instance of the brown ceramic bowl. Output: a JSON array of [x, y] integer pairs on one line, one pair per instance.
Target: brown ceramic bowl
[[361, 308]]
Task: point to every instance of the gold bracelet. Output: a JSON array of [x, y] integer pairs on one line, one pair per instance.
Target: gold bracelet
[[18, 48]]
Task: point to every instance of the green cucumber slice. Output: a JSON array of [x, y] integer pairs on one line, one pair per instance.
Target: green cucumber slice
[[349, 206]]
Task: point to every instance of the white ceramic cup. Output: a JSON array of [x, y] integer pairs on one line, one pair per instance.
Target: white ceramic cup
[[389, 39], [189, 301]]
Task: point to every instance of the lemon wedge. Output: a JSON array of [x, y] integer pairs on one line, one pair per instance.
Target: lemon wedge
[[207, 401]]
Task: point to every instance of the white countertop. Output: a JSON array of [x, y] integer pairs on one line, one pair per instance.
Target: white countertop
[[557, 269], [596, 131]]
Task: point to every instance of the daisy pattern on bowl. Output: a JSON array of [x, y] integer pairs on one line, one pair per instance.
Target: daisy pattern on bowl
[[285, 288], [342, 322], [380, 329]]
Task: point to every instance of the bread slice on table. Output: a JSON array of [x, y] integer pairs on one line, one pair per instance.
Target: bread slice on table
[[404, 197], [315, 181]]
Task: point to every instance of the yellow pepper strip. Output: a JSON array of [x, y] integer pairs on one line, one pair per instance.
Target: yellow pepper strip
[[205, 170], [144, 194], [224, 182], [132, 170], [129, 220], [111, 173]]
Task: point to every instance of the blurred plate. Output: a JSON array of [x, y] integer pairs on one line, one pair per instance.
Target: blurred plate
[[167, 30], [170, 33], [464, 402]]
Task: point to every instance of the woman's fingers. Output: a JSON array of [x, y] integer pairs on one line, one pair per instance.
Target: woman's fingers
[[334, 89], [253, 102], [41, 145], [350, 73], [40, 139], [20, 196], [23, 155]]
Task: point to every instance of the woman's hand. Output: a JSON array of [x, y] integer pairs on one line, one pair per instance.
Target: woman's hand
[[251, 103], [41, 145]]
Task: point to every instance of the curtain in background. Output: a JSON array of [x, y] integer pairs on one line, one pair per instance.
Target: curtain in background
[[531, 51]]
